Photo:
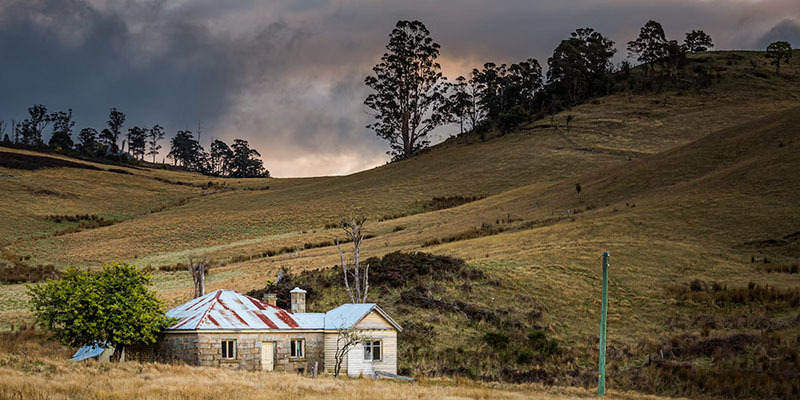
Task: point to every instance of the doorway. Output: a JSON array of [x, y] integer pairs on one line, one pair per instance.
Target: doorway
[[267, 356]]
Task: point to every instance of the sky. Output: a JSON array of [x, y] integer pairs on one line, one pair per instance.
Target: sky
[[288, 76]]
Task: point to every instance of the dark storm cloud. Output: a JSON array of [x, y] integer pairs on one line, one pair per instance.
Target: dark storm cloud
[[158, 67], [288, 76], [787, 31]]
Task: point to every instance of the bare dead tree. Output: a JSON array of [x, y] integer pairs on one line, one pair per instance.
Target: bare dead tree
[[14, 131], [199, 271], [354, 228], [345, 340]]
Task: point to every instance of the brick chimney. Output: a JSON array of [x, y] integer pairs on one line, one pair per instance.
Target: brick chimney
[[271, 299], [298, 300]]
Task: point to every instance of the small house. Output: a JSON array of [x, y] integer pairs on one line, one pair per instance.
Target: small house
[[227, 329]]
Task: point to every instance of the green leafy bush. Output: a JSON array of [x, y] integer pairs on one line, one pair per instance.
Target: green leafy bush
[[112, 305]]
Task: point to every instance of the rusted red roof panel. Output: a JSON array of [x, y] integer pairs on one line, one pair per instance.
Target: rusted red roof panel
[[228, 309]]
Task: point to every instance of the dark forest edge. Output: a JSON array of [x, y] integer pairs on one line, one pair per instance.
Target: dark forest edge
[[237, 160]]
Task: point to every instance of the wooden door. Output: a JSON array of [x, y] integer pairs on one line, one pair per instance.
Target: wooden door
[[267, 356]]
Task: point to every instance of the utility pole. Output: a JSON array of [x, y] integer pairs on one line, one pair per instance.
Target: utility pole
[[601, 377]]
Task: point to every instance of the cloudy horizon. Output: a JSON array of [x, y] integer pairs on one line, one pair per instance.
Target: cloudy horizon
[[289, 76]]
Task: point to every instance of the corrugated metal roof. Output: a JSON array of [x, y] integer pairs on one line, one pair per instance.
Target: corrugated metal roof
[[231, 310], [310, 320], [228, 309], [87, 352], [347, 315]]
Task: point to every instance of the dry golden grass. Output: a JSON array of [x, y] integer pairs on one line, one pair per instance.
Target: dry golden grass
[[33, 368], [46, 378], [30, 196], [294, 211]]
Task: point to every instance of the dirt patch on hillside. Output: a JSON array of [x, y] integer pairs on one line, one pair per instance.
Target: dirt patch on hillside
[[31, 162]]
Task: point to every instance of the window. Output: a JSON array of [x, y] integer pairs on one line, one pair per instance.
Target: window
[[298, 348], [372, 350], [229, 349]]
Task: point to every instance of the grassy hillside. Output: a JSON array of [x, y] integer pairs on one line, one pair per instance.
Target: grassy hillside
[[692, 191], [226, 223], [34, 369]]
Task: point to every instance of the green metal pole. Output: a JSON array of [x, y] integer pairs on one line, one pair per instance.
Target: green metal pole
[[601, 377]]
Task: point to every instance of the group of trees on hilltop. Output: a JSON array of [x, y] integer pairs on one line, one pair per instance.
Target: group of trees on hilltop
[[29, 131], [652, 47], [410, 96], [239, 160]]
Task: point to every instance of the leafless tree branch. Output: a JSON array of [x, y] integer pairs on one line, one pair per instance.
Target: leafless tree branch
[[354, 229]]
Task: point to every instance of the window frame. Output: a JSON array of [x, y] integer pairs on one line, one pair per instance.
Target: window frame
[[370, 346], [293, 347], [225, 349]]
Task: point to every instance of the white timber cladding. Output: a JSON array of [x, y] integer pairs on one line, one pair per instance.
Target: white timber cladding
[[375, 327], [373, 320], [356, 365], [329, 344], [388, 361]]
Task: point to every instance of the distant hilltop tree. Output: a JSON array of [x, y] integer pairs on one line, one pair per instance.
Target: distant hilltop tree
[[185, 150], [651, 45], [154, 135], [245, 162], [87, 141], [459, 102], [697, 41], [491, 84], [580, 66], [500, 88], [30, 130], [137, 141], [779, 52], [408, 96], [110, 136], [220, 158], [62, 130]]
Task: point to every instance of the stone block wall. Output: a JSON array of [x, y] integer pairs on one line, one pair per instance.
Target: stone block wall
[[314, 351], [178, 348], [206, 349], [248, 350]]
